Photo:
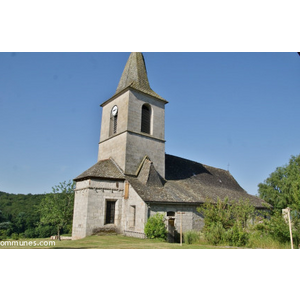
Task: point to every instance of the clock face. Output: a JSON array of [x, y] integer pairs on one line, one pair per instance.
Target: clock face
[[114, 110]]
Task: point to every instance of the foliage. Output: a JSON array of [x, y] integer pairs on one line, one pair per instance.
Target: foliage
[[237, 236], [191, 237], [19, 211], [155, 227], [227, 221], [217, 213], [57, 208], [278, 229], [20, 214], [282, 188], [215, 233], [15, 236], [2, 218], [263, 240]]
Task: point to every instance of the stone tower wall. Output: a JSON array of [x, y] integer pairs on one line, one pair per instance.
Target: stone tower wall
[[122, 103], [129, 145]]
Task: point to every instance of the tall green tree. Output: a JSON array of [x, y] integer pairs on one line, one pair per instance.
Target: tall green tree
[[57, 207], [282, 188]]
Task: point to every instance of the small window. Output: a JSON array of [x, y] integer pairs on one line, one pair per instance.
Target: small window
[[110, 212], [132, 215], [146, 119], [171, 214]]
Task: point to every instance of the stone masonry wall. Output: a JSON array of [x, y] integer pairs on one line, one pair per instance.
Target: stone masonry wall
[[129, 145], [91, 197], [80, 214], [140, 144], [115, 148], [122, 103], [136, 101], [191, 219], [138, 147], [135, 215]]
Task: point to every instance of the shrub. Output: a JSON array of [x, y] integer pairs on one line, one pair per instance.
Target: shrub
[[215, 233], [278, 229], [237, 236], [191, 237], [14, 236], [220, 212], [226, 221], [155, 227]]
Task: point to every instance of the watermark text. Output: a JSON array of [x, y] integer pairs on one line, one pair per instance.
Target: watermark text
[[26, 243]]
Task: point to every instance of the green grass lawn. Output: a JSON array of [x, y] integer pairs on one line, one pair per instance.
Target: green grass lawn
[[122, 242], [100, 242]]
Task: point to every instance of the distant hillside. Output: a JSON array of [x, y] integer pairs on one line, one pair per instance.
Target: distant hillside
[[19, 215], [13, 204]]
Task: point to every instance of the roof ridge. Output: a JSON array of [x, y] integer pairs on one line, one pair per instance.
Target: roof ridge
[[141, 165], [115, 163], [196, 162]]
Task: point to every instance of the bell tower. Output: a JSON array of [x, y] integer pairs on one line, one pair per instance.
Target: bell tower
[[133, 121]]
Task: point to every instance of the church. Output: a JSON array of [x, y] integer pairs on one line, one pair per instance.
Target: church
[[134, 178]]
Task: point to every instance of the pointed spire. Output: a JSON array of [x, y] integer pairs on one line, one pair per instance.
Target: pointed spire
[[135, 75]]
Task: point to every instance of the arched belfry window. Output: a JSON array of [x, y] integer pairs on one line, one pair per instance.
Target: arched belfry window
[[146, 119]]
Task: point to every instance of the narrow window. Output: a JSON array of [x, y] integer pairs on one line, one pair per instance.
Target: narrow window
[[146, 119], [171, 214], [126, 192], [110, 212], [113, 125], [132, 215], [113, 121]]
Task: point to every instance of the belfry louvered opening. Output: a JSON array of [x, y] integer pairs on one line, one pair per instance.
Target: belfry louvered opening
[[146, 119], [113, 125]]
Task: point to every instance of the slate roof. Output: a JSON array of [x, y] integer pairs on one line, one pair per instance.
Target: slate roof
[[191, 182], [135, 76], [102, 169], [186, 182]]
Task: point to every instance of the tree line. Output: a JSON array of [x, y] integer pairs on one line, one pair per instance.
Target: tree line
[[37, 216]]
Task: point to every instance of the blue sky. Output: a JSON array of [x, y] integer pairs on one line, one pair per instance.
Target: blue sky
[[227, 110]]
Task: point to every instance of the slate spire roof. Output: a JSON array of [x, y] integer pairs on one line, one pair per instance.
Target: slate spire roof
[[135, 76]]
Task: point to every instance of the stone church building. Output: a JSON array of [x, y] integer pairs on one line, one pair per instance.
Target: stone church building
[[134, 178]]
